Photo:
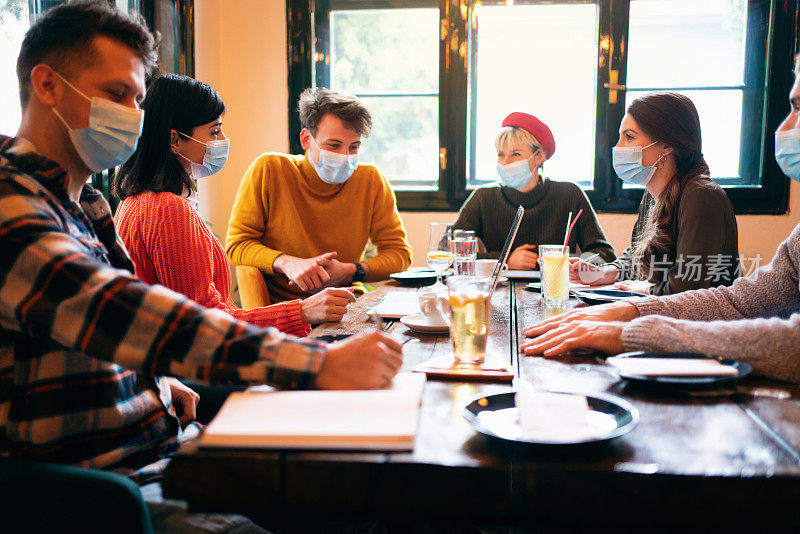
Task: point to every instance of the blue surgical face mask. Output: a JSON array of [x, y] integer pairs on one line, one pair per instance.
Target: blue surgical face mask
[[627, 161], [213, 160], [332, 167], [515, 174], [787, 152], [112, 134]]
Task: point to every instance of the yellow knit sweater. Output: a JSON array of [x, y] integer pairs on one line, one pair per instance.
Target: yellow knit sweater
[[283, 207]]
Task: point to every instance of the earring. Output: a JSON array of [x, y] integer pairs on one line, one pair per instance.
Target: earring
[[660, 162]]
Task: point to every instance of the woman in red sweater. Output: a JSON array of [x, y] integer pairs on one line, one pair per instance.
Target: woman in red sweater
[[170, 244]]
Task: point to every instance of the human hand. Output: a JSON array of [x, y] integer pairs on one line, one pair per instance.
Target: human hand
[[308, 274], [617, 311], [583, 272], [636, 286], [184, 400], [340, 273], [364, 361], [522, 258], [330, 304], [603, 336]]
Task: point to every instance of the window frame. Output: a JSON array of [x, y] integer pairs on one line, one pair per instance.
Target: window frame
[[778, 22]]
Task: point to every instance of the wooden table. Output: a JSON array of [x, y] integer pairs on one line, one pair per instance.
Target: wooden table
[[709, 462]]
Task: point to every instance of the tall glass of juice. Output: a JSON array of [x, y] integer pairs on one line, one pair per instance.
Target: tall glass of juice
[[469, 317], [554, 265]]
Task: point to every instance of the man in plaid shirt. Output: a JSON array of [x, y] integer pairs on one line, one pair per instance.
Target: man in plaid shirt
[[85, 347]]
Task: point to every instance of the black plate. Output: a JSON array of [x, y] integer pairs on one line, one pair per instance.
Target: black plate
[[686, 382], [418, 278], [602, 296], [330, 338], [497, 416]]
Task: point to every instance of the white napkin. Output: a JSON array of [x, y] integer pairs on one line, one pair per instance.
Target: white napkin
[[554, 417], [396, 304], [671, 367]]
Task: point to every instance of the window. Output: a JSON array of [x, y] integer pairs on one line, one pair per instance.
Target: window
[[510, 48], [389, 59], [13, 25], [441, 74]]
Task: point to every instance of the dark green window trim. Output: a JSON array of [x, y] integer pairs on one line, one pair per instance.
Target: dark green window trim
[[767, 80]]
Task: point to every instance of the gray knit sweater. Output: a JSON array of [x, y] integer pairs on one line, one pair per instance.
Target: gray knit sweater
[[756, 320]]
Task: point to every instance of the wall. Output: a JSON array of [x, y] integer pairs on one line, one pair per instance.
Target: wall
[[242, 53]]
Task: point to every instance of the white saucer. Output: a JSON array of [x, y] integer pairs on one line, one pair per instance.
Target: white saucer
[[418, 323], [502, 280]]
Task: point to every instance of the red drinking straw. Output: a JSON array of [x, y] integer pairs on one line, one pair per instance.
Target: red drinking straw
[[569, 232]]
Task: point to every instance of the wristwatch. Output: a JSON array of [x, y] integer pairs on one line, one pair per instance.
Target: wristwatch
[[360, 273]]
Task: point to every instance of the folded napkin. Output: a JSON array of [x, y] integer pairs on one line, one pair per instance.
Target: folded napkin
[[558, 417], [396, 304], [671, 367]]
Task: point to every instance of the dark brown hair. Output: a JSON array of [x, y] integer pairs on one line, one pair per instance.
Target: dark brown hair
[[317, 102], [672, 119], [62, 38], [173, 102]]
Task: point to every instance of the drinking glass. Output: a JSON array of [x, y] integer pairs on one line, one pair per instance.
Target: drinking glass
[[469, 298], [465, 250], [554, 266], [440, 251]]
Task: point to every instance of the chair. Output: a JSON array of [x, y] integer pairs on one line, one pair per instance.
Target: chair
[[39, 497], [252, 289]]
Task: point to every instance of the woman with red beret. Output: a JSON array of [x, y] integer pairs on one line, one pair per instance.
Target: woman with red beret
[[523, 144]]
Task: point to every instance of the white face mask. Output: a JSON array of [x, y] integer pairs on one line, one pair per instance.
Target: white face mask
[[627, 162], [787, 153], [334, 168], [213, 160], [112, 134], [516, 174]]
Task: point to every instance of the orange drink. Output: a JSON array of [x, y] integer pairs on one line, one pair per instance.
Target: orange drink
[[469, 318], [555, 274]]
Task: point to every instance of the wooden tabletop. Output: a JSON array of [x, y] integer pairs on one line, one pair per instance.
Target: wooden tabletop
[[709, 461]]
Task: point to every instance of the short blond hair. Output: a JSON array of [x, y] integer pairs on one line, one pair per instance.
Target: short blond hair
[[514, 135]]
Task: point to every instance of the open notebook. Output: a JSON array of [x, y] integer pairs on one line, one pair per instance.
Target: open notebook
[[382, 420]]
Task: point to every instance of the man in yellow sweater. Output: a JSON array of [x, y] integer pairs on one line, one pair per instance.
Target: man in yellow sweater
[[304, 221]]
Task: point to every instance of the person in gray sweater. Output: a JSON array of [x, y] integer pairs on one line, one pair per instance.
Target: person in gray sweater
[[523, 144], [756, 320]]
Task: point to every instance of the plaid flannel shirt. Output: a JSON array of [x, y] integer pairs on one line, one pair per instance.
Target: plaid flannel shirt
[[83, 343]]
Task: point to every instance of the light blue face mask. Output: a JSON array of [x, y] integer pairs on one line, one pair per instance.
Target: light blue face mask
[[515, 174], [112, 134], [627, 162], [213, 160], [787, 153], [334, 168]]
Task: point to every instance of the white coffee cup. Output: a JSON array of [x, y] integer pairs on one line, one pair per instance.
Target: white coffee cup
[[485, 268], [434, 314]]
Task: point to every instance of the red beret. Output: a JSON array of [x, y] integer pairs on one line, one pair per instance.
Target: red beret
[[535, 127]]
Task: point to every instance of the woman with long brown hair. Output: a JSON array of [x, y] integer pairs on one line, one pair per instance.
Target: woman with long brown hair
[[685, 236]]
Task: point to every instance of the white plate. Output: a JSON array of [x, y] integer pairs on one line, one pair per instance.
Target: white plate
[[418, 323], [501, 280]]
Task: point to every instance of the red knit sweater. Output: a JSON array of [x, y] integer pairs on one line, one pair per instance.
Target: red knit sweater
[[171, 245]]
